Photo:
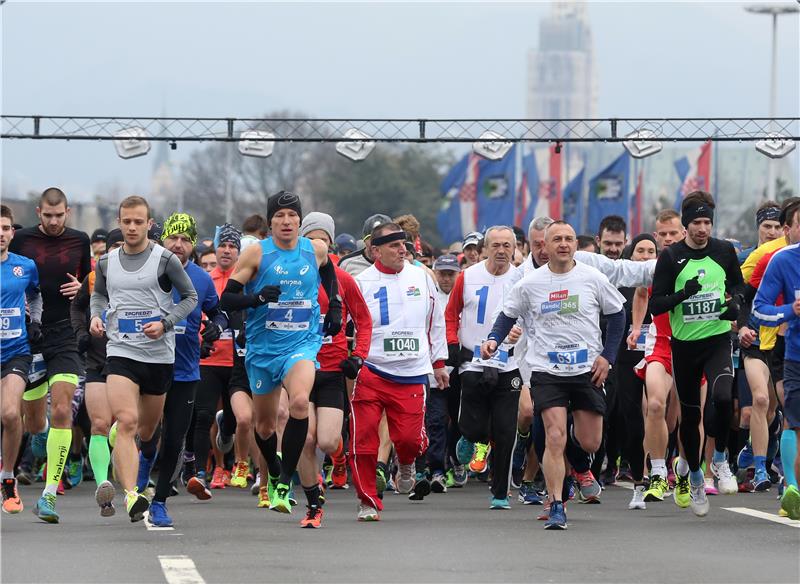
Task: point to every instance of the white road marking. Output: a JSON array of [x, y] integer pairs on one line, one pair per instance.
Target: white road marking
[[151, 527], [180, 570], [768, 516]]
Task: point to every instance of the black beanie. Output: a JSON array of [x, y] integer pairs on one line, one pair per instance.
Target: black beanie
[[283, 200], [696, 210]]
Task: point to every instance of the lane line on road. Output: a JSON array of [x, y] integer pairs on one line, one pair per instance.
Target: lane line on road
[[180, 570], [151, 527], [768, 516]]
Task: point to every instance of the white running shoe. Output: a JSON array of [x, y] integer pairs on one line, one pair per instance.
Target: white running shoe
[[406, 478], [367, 513], [726, 482], [699, 500], [637, 501], [104, 495]]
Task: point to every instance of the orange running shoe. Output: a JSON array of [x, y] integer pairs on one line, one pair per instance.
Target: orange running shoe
[[226, 477], [218, 478], [197, 487], [339, 474], [263, 497], [240, 472], [479, 459], [11, 501], [313, 518]]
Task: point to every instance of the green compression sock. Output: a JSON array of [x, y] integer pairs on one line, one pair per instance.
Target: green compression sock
[[99, 457], [58, 443]]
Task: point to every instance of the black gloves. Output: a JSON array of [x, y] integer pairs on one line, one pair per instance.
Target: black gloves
[[211, 332], [84, 340], [351, 366], [34, 333], [692, 287], [206, 349], [454, 355], [268, 294], [333, 319], [241, 339], [730, 310]]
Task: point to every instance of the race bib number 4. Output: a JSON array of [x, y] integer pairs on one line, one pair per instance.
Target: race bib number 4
[[10, 323], [572, 357], [289, 315], [131, 323], [702, 307]]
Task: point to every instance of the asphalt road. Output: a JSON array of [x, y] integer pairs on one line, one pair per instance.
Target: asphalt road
[[452, 537]]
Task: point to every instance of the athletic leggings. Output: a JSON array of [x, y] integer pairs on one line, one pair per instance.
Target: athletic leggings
[[213, 383], [690, 359], [489, 411], [177, 414], [629, 405]]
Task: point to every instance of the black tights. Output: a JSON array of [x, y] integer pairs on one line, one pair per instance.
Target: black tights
[[629, 405], [177, 415]]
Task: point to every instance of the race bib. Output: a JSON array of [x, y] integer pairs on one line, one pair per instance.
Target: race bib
[[702, 307], [180, 327], [226, 335], [131, 323], [569, 357], [10, 323], [404, 343], [326, 339], [499, 360], [240, 351], [735, 357], [641, 341], [38, 369], [289, 315]]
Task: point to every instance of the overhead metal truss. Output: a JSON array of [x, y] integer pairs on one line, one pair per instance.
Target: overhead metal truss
[[419, 130]]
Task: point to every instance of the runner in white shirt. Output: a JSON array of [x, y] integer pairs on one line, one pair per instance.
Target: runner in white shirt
[[408, 343], [560, 306], [489, 388]]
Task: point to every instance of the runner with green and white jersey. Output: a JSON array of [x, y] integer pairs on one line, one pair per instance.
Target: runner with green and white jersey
[[698, 281]]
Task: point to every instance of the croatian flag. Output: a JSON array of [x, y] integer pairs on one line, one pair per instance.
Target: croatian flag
[[458, 214], [541, 186], [694, 171]]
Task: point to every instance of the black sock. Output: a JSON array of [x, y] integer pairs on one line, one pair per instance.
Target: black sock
[[149, 447], [312, 494], [269, 450], [294, 439]]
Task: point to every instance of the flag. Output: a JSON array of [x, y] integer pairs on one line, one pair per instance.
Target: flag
[[541, 179], [495, 197], [694, 172], [457, 214], [608, 192], [573, 200]]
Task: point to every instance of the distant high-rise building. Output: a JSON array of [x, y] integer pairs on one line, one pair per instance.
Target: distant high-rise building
[[561, 74]]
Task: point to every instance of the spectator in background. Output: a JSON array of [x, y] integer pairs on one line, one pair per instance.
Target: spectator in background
[[345, 244], [208, 259], [471, 247], [587, 243], [427, 255], [98, 243], [522, 243], [611, 236], [254, 228]]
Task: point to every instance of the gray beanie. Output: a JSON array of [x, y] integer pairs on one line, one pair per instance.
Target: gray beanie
[[317, 220]]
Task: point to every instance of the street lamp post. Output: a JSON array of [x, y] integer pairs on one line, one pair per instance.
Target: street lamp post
[[775, 10]]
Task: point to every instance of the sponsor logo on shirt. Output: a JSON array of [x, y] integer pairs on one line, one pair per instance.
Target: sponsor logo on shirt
[[279, 269], [559, 295], [561, 302], [413, 291], [304, 270]]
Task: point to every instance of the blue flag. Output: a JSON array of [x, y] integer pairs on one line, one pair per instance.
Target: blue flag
[[573, 201], [449, 218], [608, 192], [495, 196]]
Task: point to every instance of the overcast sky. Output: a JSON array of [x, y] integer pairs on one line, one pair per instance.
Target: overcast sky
[[357, 60]]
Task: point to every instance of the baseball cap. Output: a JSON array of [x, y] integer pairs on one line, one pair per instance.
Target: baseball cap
[[472, 238], [447, 262], [99, 235], [372, 222], [345, 243]]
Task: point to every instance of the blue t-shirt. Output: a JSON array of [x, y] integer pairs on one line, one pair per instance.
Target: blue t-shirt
[[19, 276], [782, 277], [187, 341], [278, 327]]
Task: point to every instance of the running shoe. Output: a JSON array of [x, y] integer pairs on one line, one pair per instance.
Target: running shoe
[[528, 495], [368, 513], [557, 518], [681, 492], [670, 477], [746, 457], [39, 444], [104, 495], [263, 497], [339, 473], [313, 518], [518, 457], [327, 471], [405, 478], [497, 503], [74, 471], [197, 487], [657, 490], [292, 498], [726, 482], [450, 481], [699, 500], [136, 505], [240, 472], [589, 491], [464, 450], [790, 502], [157, 516], [218, 478], [610, 475], [460, 475], [188, 471], [479, 461], [638, 499], [421, 489], [256, 485], [711, 487], [272, 486], [438, 482], [45, 508], [380, 479], [761, 481], [224, 441], [226, 477], [11, 501], [145, 466], [516, 477], [280, 502], [745, 479], [25, 477]]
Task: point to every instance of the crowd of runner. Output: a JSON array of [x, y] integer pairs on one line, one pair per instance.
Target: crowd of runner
[[280, 357]]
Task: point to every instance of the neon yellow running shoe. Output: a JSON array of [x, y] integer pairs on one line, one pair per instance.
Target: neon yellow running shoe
[[658, 489], [280, 501], [136, 504], [263, 498], [240, 472], [112, 435], [790, 502], [681, 494], [478, 462]]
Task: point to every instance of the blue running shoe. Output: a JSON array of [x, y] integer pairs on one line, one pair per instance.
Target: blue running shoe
[[464, 450], [761, 481], [558, 517], [75, 471], [745, 458], [143, 478], [157, 516], [45, 508], [39, 445], [528, 495], [499, 503]]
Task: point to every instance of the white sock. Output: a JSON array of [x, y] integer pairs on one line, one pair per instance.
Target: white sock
[[51, 489], [6, 474], [682, 467], [659, 467]]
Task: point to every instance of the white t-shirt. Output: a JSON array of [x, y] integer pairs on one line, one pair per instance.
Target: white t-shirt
[[561, 317]]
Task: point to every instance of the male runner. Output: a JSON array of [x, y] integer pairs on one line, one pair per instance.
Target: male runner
[[282, 276], [356, 262], [692, 280], [20, 284], [135, 283], [560, 307], [612, 236], [62, 259], [408, 343], [471, 247]]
